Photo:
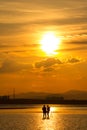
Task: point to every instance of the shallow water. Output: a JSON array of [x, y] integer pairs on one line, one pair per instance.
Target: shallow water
[[61, 118]]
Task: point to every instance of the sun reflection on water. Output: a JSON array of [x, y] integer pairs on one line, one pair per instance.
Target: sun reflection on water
[[61, 118], [48, 123], [53, 109]]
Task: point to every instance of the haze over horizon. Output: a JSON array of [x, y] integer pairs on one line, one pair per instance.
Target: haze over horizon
[[43, 46]]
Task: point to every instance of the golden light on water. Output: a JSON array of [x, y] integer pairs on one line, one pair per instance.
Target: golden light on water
[[50, 43], [53, 109]]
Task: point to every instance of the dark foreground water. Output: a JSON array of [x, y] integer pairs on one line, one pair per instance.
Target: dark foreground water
[[61, 118]]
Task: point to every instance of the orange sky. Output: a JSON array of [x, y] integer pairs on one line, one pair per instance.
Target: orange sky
[[23, 64]]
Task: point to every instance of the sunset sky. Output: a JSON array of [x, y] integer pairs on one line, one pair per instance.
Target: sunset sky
[[25, 27]]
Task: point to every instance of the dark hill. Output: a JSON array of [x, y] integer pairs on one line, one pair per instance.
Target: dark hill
[[72, 94]]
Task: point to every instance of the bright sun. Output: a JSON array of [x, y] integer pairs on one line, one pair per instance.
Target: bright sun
[[50, 42]]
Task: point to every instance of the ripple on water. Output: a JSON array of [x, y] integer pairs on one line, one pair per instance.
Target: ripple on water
[[33, 121]]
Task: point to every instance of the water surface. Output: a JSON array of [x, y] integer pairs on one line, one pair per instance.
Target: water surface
[[30, 118]]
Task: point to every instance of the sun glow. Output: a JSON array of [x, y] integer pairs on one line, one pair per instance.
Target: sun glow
[[50, 43]]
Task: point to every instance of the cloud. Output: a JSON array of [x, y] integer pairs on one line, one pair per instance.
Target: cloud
[[10, 28], [50, 69], [2, 45], [73, 60], [47, 63], [20, 15], [7, 45], [14, 28], [49, 3], [52, 64], [11, 66], [77, 41], [62, 21], [73, 49]]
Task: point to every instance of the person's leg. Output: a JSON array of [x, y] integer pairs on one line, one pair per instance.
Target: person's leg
[[48, 115], [43, 115]]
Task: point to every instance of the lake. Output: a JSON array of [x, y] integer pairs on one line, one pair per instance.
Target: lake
[[30, 118]]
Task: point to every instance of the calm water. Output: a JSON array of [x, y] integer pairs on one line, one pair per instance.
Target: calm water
[[61, 118]]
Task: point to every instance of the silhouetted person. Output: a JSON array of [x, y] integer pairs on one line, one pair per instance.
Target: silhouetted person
[[48, 111], [44, 111]]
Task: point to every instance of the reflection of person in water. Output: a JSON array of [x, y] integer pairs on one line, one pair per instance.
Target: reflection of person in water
[[44, 111], [48, 111]]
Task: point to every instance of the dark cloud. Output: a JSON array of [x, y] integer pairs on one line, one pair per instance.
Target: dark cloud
[[10, 28], [2, 45], [7, 45], [73, 60], [51, 62], [50, 69], [50, 3], [73, 49], [47, 63], [11, 66], [78, 42], [63, 21], [13, 28], [15, 1], [18, 13]]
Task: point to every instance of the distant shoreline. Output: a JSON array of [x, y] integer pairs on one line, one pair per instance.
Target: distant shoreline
[[29, 106], [42, 101]]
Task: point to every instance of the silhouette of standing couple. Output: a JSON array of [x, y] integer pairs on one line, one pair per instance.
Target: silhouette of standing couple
[[46, 111]]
